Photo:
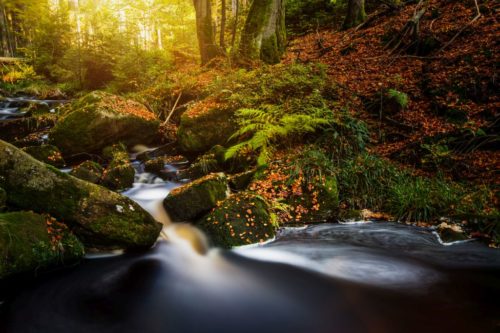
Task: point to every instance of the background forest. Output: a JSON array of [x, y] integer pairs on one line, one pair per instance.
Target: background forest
[[390, 103]]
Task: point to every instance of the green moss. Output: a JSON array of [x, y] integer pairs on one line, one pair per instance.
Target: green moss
[[243, 218], [98, 120], [96, 215], [264, 35], [155, 165], [89, 171], [241, 180], [120, 173], [202, 166], [199, 132], [26, 245], [197, 198], [48, 154], [3, 199]]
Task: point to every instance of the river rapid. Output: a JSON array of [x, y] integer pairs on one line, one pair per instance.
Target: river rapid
[[352, 277]]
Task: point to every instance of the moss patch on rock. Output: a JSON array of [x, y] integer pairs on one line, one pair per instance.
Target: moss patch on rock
[[89, 171], [48, 154], [155, 165], [192, 200], [205, 125], [31, 242], [120, 173], [100, 119], [243, 218], [98, 216]]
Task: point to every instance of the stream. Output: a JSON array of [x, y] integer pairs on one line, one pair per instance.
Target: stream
[[12, 107], [351, 277]]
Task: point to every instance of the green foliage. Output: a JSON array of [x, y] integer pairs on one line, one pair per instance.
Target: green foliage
[[365, 181], [272, 126], [132, 75], [313, 164], [346, 138], [421, 199], [307, 15], [399, 97]]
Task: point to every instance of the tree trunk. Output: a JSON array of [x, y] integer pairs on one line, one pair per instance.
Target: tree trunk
[[355, 13], [205, 31], [236, 13], [264, 35], [222, 23]]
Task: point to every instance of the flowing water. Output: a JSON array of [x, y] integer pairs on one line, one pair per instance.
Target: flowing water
[[355, 277], [14, 107]]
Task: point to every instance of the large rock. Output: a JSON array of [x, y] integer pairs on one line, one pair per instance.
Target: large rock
[[192, 200], [243, 218], [100, 119], [47, 154], [29, 242], [98, 216], [205, 125]]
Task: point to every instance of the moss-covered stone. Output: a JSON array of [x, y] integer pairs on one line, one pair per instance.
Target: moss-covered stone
[[47, 154], [120, 173], [319, 204], [99, 120], [192, 200], [99, 217], [243, 218], [89, 171], [203, 127], [3, 199], [155, 165], [30, 242], [241, 180], [202, 166]]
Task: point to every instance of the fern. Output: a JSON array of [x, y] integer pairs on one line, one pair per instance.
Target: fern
[[262, 129]]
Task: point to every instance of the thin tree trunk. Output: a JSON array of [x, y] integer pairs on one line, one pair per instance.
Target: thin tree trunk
[[235, 24], [264, 35], [222, 23]]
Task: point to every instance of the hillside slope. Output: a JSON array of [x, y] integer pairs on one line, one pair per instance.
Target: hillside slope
[[449, 72]]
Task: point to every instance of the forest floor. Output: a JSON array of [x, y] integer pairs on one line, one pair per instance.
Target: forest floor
[[449, 73]]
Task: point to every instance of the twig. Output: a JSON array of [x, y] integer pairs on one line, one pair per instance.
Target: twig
[[173, 109], [464, 27]]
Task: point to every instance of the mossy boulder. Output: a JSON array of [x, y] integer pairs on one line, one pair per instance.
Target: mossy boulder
[[47, 154], [100, 119], [192, 200], [243, 218], [205, 125], [3, 199], [155, 165], [319, 203], [240, 181], [120, 173], [99, 217], [30, 242], [89, 171]]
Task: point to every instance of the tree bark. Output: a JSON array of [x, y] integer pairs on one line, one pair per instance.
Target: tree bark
[[205, 31], [264, 34], [355, 13], [236, 13], [222, 23]]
